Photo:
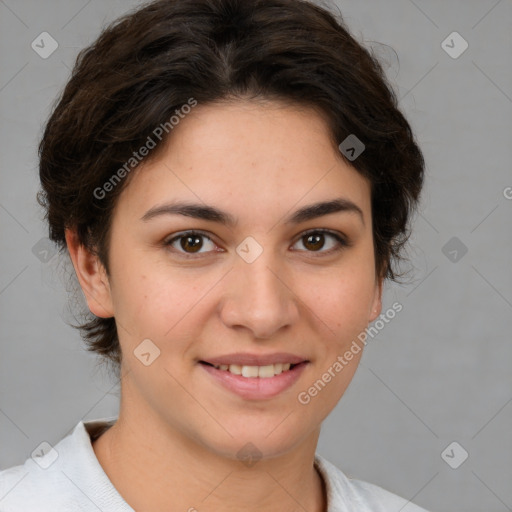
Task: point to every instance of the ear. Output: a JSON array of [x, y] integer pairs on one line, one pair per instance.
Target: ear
[[91, 275], [377, 300]]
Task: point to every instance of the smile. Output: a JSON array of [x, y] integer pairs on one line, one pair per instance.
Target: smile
[[254, 382], [263, 372]]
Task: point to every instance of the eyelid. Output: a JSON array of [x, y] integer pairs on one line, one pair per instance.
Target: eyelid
[[182, 234], [342, 240]]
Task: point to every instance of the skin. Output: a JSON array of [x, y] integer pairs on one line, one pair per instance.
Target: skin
[[175, 444]]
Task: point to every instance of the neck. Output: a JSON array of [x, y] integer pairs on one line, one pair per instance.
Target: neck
[[166, 470]]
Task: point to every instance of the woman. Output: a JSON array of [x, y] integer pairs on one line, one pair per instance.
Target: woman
[[233, 182]]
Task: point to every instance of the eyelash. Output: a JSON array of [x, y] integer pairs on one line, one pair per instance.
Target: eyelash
[[342, 241]]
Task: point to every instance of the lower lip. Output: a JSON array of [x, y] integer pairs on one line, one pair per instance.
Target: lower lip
[[256, 388]]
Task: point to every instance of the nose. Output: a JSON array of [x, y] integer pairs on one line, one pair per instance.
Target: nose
[[258, 297]]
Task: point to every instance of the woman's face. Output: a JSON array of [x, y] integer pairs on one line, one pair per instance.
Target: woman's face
[[259, 287]]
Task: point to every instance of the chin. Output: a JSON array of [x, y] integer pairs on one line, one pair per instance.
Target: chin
[[257, 443]]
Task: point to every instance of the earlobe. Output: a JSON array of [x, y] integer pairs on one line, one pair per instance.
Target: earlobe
[[91, 275]]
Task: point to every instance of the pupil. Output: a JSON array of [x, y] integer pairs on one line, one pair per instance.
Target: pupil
[[317, 241], [195, 240]]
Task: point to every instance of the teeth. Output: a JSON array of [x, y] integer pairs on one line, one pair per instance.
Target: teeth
[[263, 372], [266, 371], [234, 368], [249, 371]]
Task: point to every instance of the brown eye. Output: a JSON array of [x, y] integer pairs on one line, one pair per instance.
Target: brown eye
[[190, 242], [314, 241], [193, 242]]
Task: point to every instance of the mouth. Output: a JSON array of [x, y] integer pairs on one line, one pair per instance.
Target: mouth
[[262, 372], [252, 382]]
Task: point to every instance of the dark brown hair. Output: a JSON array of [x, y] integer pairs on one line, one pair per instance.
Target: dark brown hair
[[152, 61]]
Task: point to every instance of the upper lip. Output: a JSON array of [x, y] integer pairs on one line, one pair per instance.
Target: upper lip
[[245, 359]]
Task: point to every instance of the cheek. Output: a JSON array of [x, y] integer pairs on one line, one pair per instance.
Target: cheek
[[140, 301], [161, 304], [341, 299]]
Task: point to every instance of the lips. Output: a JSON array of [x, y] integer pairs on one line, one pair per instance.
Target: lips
[[252, 387]]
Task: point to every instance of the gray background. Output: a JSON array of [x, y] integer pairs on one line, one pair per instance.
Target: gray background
[[439, 372]]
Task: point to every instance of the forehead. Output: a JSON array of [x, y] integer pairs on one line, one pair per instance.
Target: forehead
[[256, 157]]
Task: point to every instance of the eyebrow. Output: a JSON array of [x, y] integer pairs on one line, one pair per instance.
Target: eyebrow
[[206, 212]]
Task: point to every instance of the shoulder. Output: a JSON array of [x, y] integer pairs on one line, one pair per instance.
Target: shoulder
[[66, 477], [31, 486], [345, 493]]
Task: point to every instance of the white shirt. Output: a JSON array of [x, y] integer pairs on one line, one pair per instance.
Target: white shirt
[[69, 478]]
